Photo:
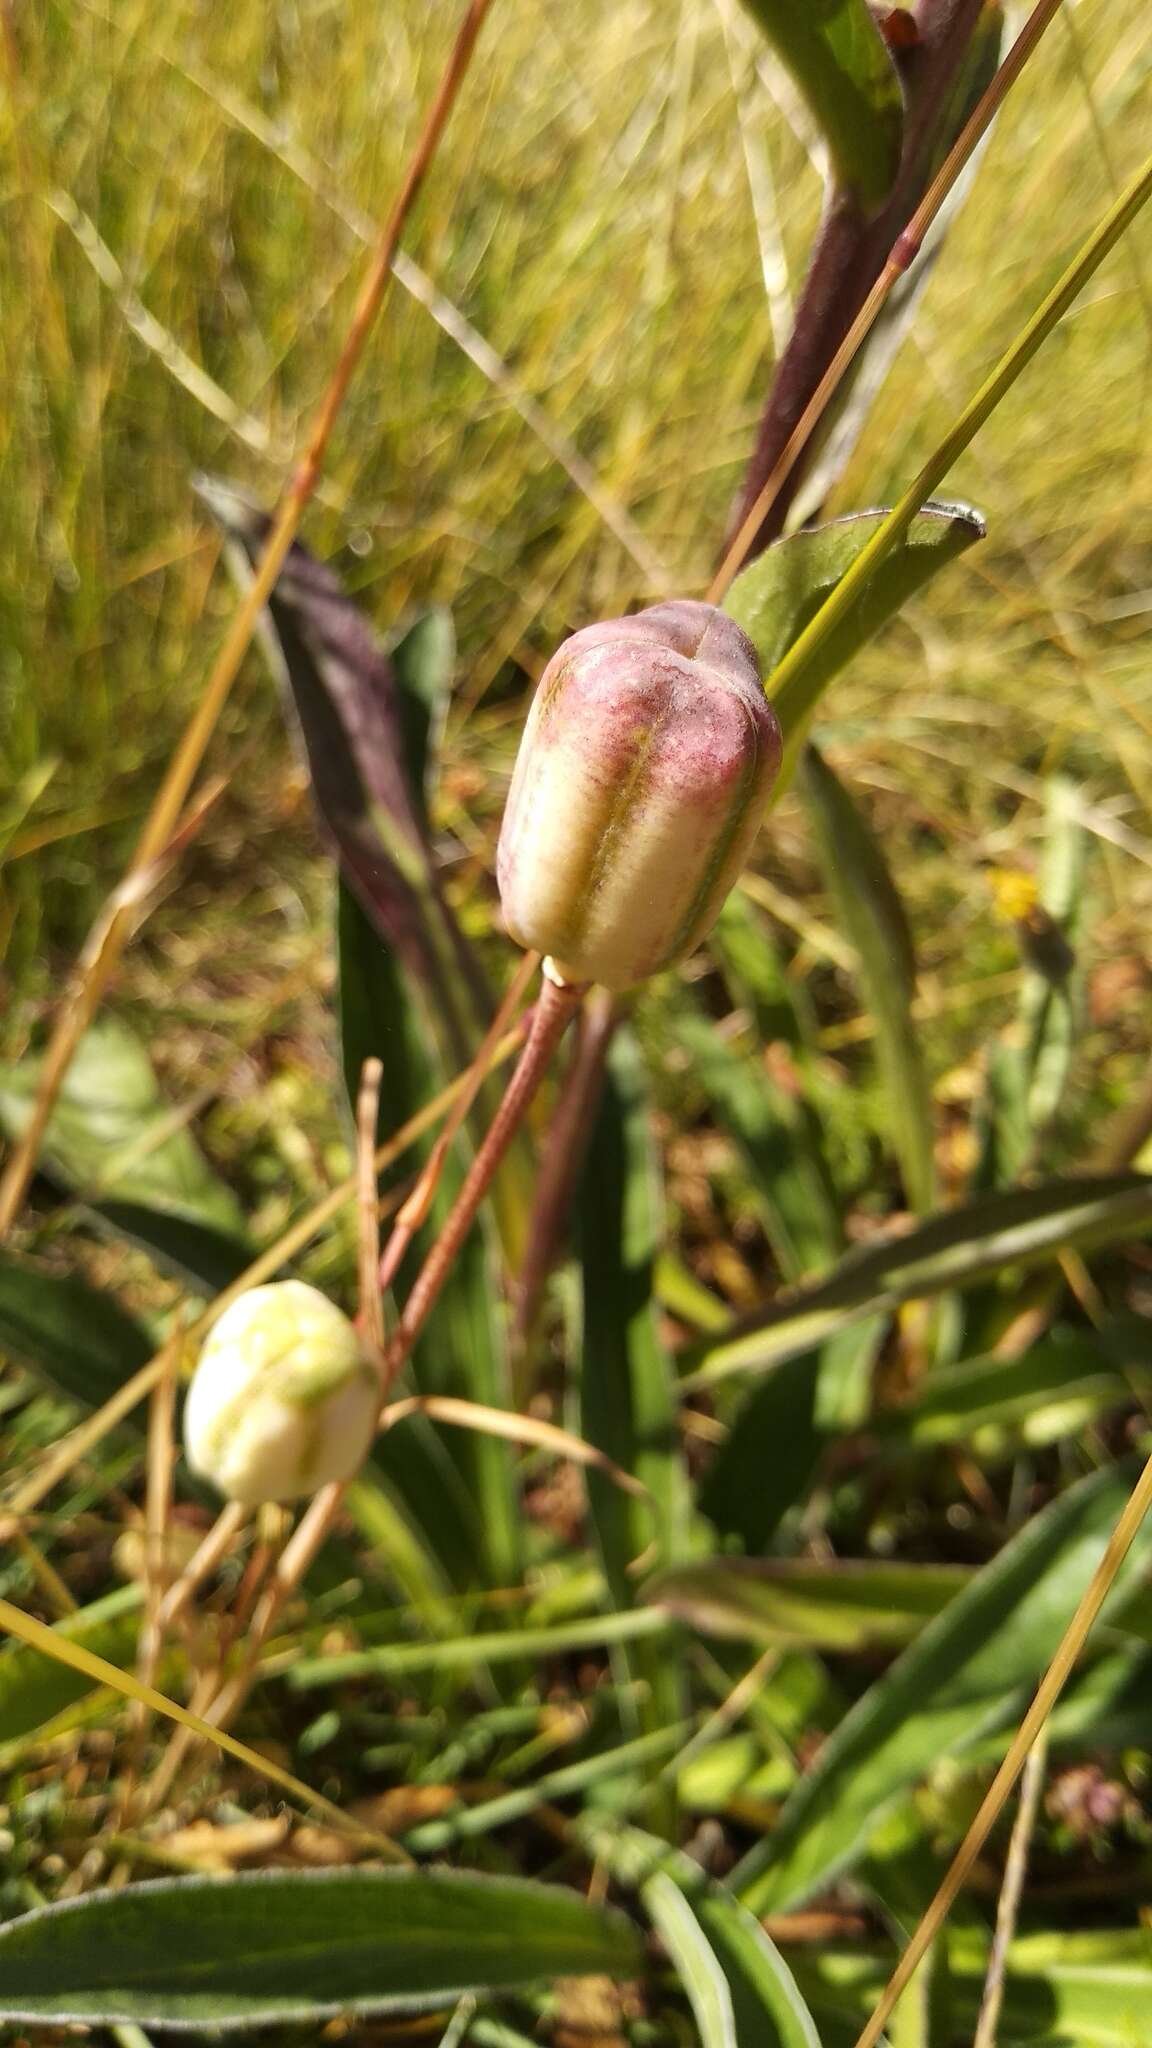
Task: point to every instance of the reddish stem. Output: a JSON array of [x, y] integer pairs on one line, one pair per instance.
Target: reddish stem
[[564, 1150], [557, 1004]]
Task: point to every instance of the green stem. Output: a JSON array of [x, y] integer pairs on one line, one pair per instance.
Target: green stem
[[785, 683]]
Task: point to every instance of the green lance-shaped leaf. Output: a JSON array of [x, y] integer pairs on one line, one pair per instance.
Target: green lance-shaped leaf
[[769, 1458], [288, 1947], [1019, 1227], [872, 914], [841, 64], [1051, 1391], [112, 1141], [626, 1392], [75, 1337], [801, 1601], [456, 1486], [968, 1671], [782, 591]]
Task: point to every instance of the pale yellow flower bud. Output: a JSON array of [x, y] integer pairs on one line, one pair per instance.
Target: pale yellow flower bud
[[283, 1399]]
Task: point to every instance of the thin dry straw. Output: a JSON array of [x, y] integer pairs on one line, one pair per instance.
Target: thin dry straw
[[1048, 1692], [121, 913], [1011, 1893], [40, 1637]]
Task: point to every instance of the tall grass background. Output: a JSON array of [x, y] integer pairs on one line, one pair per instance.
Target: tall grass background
[[621, 210]]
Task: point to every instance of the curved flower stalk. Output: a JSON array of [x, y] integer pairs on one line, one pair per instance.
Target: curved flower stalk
[[641, 780], [284, 1398]]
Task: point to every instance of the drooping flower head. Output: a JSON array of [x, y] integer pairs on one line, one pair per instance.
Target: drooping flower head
[[641, 780]]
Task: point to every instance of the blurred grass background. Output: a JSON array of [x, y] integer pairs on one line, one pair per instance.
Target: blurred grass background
[[622, 210]]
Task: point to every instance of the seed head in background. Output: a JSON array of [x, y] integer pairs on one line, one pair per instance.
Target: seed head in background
[[284, 1398], [643, 772]]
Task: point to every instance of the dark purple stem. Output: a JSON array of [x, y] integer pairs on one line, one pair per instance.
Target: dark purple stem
[[561, 1160], [851, 250]]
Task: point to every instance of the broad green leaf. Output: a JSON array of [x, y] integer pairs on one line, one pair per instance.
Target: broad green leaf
[[1049, 1392], [34, 1689], [781, 592], [626, 1389], [872, 915], [840, 62], [969, 1670], [286, 1946], [1105, 1705], [843, 1606], [1020, 1227], [457, 1487], [74, 1336], [111, 1132], [778, 1141], [1065, 1990]]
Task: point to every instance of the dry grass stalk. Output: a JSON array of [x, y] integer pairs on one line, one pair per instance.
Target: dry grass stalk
[[118, 920]]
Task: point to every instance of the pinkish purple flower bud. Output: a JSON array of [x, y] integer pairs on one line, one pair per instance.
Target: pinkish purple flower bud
[[642, 775]]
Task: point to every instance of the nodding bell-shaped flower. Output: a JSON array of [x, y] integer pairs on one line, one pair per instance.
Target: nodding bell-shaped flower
[[284, 1398], [642, 775]]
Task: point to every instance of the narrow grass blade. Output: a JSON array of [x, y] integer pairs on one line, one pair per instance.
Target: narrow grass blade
[[872, 914], [798, 1601], [626, 1397], [776, 1137], [78, 1657], [1051, 1391], [1020, 1227], [626, 1391], [463, 1653], [737, 1982]]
